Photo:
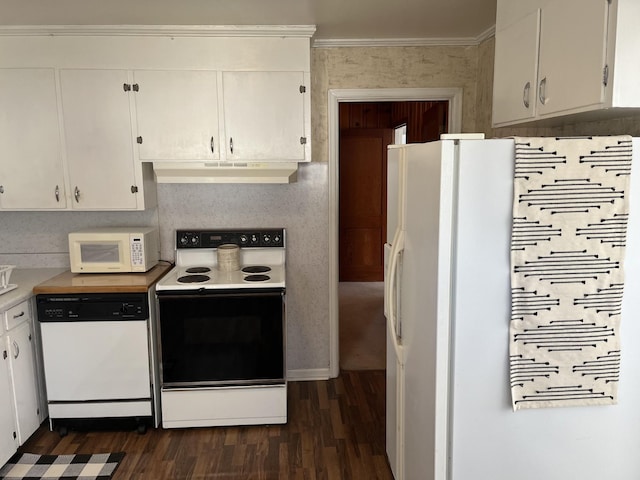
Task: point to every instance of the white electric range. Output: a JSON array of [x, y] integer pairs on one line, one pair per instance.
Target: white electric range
[[222, 329]]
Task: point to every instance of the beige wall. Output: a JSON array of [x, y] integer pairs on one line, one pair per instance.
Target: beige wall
[[389, 67], [627, 125]]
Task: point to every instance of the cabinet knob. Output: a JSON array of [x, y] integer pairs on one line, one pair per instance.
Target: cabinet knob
[[126, 87], [76, 194]]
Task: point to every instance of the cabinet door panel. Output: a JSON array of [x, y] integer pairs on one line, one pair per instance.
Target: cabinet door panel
[[8, 444], [177, 115], [23, 380], [264, 115], [516, 63], [99, 140], [573, 43], [31, 170]]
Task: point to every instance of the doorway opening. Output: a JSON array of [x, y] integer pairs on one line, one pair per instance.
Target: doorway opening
[[366, 130], [358, 105]]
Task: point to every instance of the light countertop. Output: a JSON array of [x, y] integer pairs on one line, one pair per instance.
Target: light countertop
[[26, 279]]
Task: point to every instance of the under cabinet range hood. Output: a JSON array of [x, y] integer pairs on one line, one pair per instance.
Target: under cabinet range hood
[[223, 172]]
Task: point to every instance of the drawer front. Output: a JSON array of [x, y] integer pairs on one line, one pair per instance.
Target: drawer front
[[17, 315]]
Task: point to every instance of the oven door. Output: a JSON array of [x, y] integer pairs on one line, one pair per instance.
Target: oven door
[[217, 338]]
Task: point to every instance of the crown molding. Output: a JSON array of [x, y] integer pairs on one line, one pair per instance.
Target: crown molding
[[163, 30], [403, 42]]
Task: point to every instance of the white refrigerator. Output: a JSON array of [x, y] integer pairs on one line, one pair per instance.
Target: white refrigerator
[[447, 301]]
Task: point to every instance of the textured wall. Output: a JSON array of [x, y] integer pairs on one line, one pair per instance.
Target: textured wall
[[389, 67]]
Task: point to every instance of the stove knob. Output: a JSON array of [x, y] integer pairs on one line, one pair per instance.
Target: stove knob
[[266, 238], [194, 240], [254, 239], [184, 240], [243, 239], [277, 239]]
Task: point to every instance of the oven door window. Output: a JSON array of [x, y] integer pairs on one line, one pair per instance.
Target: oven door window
[[221, 338]]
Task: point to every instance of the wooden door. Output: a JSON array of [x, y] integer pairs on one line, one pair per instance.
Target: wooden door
[[363, 216]]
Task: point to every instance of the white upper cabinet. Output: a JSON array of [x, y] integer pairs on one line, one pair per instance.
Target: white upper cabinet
[[31, 171], [573, 43], [264, 116], [565, 57], [88, 111], [98, 138], [177, 115], [515, 88]]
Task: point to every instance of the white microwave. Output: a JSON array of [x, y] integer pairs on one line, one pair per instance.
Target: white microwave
[[114, 249]]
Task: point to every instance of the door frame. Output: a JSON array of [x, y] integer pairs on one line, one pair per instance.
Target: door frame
[[452, 95]]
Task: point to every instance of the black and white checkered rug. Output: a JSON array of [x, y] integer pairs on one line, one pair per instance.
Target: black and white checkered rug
[[27, 466]]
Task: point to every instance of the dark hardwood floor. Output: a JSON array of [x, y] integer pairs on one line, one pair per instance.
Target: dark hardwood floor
[[335, 430]]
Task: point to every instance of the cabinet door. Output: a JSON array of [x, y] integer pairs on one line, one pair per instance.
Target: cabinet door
[[31, 172], [8, 443], [177, 115], [515, 68], [99, 140], [264, 116], [573, 43], [23, 380]]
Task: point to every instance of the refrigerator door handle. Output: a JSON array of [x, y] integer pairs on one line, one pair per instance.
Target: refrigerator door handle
[[391, 297]]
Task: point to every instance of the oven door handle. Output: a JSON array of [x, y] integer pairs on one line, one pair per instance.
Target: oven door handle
[[181, 295]]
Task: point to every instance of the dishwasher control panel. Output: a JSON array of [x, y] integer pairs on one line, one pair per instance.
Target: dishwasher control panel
[[92, 307]]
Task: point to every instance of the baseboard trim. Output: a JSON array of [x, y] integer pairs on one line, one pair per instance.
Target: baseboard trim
[[308, 374]]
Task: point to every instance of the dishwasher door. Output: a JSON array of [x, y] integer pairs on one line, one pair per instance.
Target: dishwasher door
[[95, 352], [96, 360]]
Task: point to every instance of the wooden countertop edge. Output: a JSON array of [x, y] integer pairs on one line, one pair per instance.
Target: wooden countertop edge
[[68, 282]]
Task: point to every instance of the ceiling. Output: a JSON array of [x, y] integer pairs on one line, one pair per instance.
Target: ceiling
[[350, 20]]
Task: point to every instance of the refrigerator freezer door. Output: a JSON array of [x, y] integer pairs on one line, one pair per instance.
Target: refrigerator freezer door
[[425, 301]]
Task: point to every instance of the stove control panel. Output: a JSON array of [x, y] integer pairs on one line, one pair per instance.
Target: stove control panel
[[267, 237]]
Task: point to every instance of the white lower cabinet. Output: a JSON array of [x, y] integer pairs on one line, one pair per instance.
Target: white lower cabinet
[[23, 381], [8, 443], [20, 398]]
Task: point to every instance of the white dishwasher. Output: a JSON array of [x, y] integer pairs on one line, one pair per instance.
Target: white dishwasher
[[95, 351]]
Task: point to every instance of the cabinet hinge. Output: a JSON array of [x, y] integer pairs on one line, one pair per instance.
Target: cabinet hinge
[[139, 140], [303, 89], [136, 87], [14, 435], [4, 354], [134, 189], [1, 189], [605, 75], [126, 87], [303, 140]]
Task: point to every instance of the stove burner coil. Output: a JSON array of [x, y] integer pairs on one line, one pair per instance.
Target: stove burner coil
[[198, 270], [256, 278], [193, 278], [256, 269]]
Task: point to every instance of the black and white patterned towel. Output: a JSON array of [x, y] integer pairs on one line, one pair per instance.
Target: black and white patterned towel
[[28, 466], [570, 212]]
